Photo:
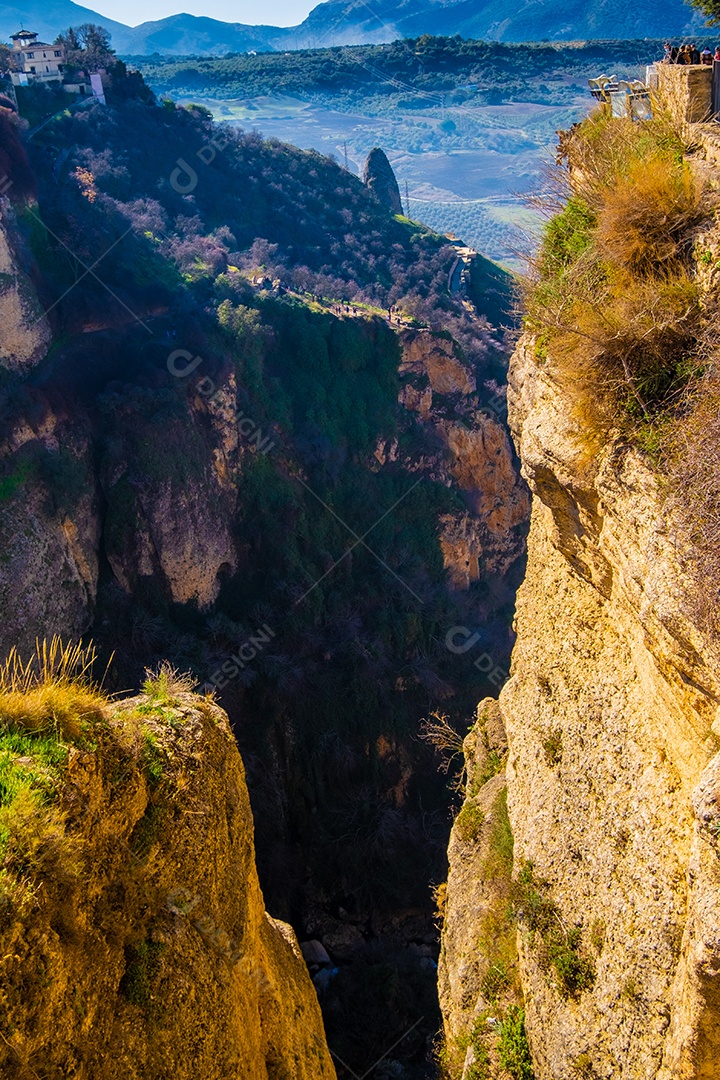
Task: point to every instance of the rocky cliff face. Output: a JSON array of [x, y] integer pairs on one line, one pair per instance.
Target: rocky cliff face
[[156, 493], [142, 948], [49, 524], [24, 329], [465, 447], [613, 775]]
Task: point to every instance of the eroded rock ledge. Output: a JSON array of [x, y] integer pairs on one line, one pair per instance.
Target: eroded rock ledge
[[144, 949]]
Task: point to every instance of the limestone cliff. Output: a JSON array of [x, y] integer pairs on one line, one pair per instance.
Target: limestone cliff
[[613, 775], [138, 945], [154, 491], [464, 446], [49, 524], [24, 329]]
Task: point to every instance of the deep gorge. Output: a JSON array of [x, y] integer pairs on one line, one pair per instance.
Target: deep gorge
[[278, 484]]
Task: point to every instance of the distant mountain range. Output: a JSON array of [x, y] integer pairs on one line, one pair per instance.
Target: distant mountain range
[[352, 22]]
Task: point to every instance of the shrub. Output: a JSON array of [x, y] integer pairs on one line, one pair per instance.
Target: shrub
[[559, 948], [614, 295], [165, 683], [469, 822], [513, 1048]]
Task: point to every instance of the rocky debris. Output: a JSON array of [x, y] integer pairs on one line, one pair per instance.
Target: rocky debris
[[380, 179]]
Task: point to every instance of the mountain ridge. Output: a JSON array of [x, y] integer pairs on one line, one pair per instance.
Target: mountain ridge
[[337, 23]]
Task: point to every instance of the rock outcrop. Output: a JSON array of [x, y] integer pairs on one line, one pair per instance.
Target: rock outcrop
[[380, 179], [146, 950], [24, 329], [613, 778], [49, 523], [464, 446]]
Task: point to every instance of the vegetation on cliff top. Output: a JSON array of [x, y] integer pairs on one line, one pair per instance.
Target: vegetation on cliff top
[[624, 298], [615, 290], [50, 706]]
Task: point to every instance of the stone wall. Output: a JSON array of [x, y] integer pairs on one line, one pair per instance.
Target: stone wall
[[686, 90]]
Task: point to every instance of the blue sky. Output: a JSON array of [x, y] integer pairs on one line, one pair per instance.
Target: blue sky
[[273, 12]]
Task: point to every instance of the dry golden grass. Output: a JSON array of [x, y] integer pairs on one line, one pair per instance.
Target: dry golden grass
[[647, 214], [615, 292], [694, 466], [53, 690]]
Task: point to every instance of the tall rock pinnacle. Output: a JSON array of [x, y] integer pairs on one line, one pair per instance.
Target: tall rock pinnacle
[[380, 178]]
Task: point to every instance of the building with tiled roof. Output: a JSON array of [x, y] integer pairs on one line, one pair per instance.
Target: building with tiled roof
[[35, 61]]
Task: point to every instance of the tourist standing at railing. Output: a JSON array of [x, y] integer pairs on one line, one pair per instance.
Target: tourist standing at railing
[[706, 56], [717, 53], [694, 54]]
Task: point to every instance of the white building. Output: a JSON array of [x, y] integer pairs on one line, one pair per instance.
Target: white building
[[35, 61]]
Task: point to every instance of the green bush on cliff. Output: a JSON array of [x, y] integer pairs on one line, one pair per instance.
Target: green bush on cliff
[[559, 948], [513, 1048]]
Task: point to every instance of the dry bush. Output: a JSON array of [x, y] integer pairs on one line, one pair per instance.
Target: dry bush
[[646, 217], [445, 740], [613, 291], [694, 465], [165, 683], [54, 689]]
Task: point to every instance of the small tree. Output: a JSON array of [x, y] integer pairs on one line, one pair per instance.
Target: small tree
[[87, 46], [709, 8], [6, 63]]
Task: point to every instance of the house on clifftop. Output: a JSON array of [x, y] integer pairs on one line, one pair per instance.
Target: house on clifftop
[[35, 61]]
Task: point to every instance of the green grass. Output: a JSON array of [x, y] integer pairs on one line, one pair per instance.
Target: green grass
[[152, 757], [513, 1048], [469, 822], [144, 962], [165, 684], [560, 949], [553, 748], [499, 862]]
